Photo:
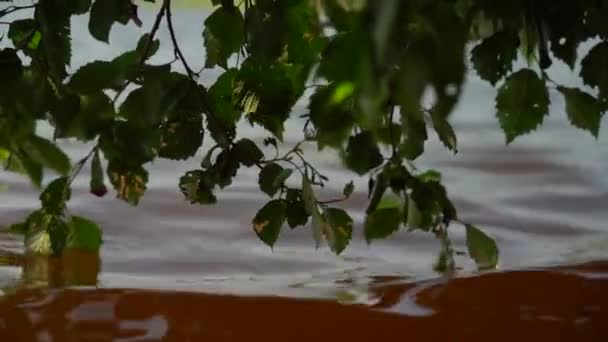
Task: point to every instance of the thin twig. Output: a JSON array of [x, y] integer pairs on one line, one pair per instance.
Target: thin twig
[[12, 9], [144, 56], [178, 51]]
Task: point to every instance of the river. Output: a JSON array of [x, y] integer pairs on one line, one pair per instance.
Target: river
[[544, 198]]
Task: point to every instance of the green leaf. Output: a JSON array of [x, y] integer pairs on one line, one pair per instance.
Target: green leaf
[[104, 14], [55, 195], [331, 115], [272, 177], [482, 248], [269, 220], [222, 100], [22, 32], [129, 182], [381, 223], [225, 168], [54, 25], [584, 111], [197, 187], [522, 103], [312, 209], [267, 93], [340, 226], [445, 132], [143, 105], [48, 154], [348, 189], [296, 210], [10, 65], [362, 153], [181, 136], [97, 185], [248, 152], [142, 45], [84, 234], [96, 76], [223, 36], [594, 69], [493, 58], [82, 117]]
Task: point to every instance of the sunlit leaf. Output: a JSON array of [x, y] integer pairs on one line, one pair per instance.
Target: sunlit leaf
[[312, 209], [482, 248], [83, 234], [381, 223]]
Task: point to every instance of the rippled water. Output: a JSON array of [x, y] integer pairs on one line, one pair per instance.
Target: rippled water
[[544, 198]]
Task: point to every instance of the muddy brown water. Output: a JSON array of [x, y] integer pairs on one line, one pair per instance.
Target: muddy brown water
[[172, 271]]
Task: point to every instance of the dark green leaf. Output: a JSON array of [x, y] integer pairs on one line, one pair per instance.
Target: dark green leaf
[[362, 153], [482, 248], [223, 36], [272, 177], [54, 24], [104, 14], [55, 195], [96, 76], [333, 121], [522, 103], [248, 152], [348, 189], [22, 32], [340, 230], [84, 234], [312, 209], [10, 65], [269, 220], [197, 187], [594, 69], [296, 211], [445, 132], [97, 185], [222, 99], [584, 110], [146, 48], [181, 136], [381, 223], [493, 58], [48, 154]]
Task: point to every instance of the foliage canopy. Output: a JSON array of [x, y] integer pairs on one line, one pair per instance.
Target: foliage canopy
[[371, 65]]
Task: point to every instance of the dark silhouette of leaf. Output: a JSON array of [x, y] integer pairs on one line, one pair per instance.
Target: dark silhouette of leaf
[[594, 69], [340, 229], [584, 111], [268, 221], [272, 177], [493, 58], [521, 104], [223, 36], [362, 153]]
